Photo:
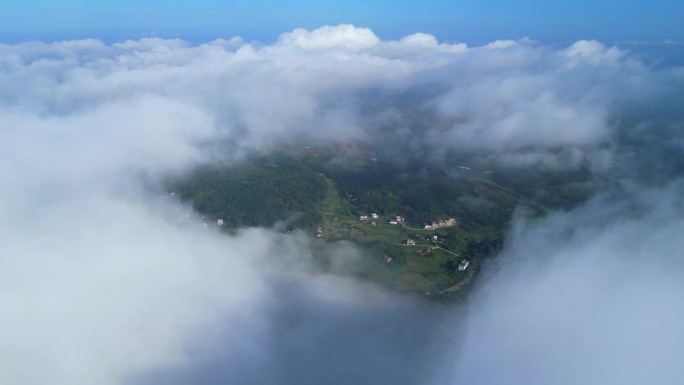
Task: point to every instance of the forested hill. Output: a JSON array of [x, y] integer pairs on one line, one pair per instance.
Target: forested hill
[[350, 194], [292, 186], [258, 193]]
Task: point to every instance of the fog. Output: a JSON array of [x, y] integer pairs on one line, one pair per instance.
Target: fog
[[591, 296], [108, 280]]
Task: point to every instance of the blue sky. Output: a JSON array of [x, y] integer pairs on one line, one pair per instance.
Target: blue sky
[[464, 20]]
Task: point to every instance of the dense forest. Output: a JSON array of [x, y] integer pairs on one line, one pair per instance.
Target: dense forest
[[258, 193]]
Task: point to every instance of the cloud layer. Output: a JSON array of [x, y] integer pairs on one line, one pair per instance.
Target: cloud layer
[[106, 282], [593, 296], [340, 82]]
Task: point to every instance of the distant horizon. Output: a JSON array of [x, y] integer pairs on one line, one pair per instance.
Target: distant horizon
[[658, 53], [469, 21]]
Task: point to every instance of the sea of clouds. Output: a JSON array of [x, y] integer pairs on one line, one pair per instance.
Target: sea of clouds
[[104, 281]]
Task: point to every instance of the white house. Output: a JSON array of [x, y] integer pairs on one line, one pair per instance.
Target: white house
[[463, 265], [219, 222]]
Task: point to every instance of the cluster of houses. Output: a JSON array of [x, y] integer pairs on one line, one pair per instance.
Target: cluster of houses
[[441, 223], [394, 221], [410, 242], [399, 219], [319, 232], [365, 217]]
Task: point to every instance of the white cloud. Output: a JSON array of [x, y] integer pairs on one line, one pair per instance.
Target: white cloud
[[502, 44], [344, 36], [593, 51], [485, 98], [592, 297]]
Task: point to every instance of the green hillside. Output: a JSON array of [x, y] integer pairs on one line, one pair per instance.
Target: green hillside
[[327, 191]]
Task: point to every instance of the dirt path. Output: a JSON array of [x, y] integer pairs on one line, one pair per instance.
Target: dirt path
[[460, 284], [443, 249], [410, 228]]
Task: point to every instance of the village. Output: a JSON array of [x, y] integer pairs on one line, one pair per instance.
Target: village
[[400, 220], [425, 250]]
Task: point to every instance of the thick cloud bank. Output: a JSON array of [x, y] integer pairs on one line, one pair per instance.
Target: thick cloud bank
[[594, 296], [336, 82], [105, 281]]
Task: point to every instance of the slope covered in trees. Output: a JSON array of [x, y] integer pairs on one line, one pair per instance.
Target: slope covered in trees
[[326, 191]]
